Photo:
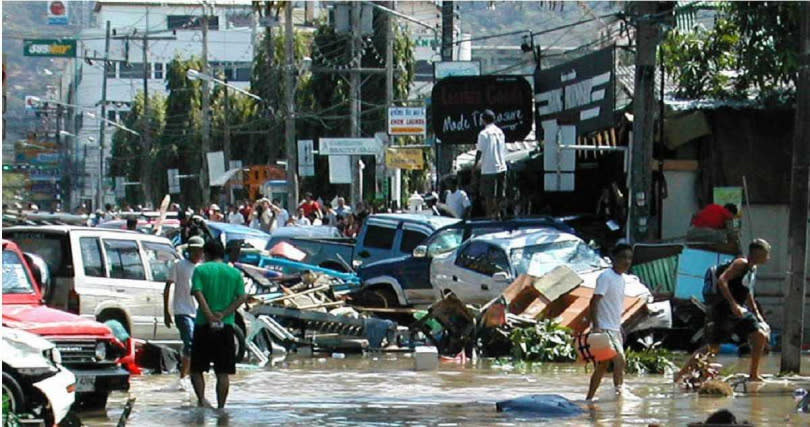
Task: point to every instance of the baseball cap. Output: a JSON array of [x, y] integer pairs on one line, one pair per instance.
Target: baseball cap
[[196, 242]]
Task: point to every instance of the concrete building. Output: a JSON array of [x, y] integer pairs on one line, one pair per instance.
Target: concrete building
[[230, 50]]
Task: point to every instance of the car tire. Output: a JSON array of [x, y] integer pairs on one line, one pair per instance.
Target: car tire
[[239, 340], [380, 297], [96, 400], [14, 392]]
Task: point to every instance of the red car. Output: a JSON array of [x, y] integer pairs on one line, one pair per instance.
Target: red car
[[88, 348]]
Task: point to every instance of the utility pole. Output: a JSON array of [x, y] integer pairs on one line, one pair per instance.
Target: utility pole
[[101, 124], [289, 120], [356, 189], [643, 123], [445, 154], [206, 136], [146, 138], [389, 90], [797, 224]]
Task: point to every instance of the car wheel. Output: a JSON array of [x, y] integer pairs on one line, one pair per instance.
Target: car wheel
[[239, 341], [97, 400], [13, 397], [383, 297]]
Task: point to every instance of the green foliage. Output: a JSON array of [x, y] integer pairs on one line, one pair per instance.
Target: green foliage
[[751, 51], [650, 361], [545, 342]]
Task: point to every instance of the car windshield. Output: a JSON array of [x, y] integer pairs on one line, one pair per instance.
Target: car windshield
[[445, 241], [15, 277], [47, 246], [538, 260]]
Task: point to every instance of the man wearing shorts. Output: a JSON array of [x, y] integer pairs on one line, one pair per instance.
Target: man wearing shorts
[[219, 290], [183, 305], [606, 310], [492, 155]]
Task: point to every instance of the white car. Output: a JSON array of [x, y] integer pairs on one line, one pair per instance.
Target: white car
[[34, 380], [481, 268]]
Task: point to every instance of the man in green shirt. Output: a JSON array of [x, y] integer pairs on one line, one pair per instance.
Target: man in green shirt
[[219, 291]]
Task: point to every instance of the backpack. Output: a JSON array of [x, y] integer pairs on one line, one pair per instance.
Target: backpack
[[710, 279]]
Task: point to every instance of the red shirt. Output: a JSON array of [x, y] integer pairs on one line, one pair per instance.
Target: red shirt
[[712, 216], [310, 208]]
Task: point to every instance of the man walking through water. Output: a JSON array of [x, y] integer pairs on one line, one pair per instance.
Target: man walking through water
[[727, 314], [492, 156], [606, 310], [183, 305], [219, 291]]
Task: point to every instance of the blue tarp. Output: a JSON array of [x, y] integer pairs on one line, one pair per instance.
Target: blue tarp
[[691, 269]]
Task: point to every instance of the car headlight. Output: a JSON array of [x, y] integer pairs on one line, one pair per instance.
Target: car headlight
[[38, 373], [101, 351], [53, 355]]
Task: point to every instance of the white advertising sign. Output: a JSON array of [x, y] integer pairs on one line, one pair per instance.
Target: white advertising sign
[[57, 12], [340, 170], [349, 146], [216, 165], [456, 68], [306, 160], [407, 121]]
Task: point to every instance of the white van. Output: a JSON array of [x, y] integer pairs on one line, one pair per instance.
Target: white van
[[108, 275]]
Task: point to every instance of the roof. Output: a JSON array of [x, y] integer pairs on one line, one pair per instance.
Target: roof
[[235, 228], [65, 229], [431, 220], [509, 240]]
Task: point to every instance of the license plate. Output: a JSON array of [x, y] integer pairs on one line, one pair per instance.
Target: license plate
[[85, 384]]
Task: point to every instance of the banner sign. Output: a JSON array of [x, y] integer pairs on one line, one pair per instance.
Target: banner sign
[[456, 68], [306, 159], [407, 121], [57, 12], [62, 48], [340, 170], [405, 158], [458, 105], [579, 92], [349, 146]]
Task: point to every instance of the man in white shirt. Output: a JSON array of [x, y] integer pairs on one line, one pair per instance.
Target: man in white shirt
[[492, 155], [457, 199], [282, 216], [606, 310], [234, 217], [184, 305]]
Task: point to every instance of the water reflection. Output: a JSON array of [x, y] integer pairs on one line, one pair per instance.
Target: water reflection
[[383, 390]]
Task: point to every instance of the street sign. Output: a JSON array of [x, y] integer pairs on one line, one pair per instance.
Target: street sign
[[349, 146], [405, 158], [406, 121], [456, 68], [61, 48], [57, 12], [340, 170], [174, 181], [459, 104], [306, 159]]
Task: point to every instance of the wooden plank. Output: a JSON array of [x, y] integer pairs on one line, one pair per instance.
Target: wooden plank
[[677, 165], [557, 282]]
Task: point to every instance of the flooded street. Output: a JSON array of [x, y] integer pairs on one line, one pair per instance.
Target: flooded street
[[382, 389]]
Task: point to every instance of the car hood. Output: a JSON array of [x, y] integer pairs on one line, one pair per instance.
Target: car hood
[[46, 321]]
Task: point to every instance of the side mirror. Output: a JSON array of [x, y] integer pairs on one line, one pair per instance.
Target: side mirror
[[420, 251], [41, 273], [501, 276]]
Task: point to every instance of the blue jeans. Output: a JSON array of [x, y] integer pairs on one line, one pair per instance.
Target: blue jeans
[[185, 324]]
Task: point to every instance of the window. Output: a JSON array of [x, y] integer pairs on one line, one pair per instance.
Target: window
[[52, 248], [124, 260], [379, 237], [483, 258], [445, 241], [190, 22], [111, 70], [15, 277], [133, 70], [242, 73], [91, 257], [158, 69], [160, 258], [410, 240]]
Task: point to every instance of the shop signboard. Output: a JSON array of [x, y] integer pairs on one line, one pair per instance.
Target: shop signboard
[[458, 105]]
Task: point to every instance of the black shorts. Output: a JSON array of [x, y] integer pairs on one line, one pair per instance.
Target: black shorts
[[215, 346], [492, 186], [722, 325]]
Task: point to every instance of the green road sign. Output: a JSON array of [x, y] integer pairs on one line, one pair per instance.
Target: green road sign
[[62, 48]]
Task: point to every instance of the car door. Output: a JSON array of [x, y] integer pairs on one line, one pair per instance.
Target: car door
[[159, 258], [129, 285], [470, 274], [377, 241]]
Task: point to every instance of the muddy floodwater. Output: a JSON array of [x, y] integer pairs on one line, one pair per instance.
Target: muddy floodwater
[[383, 389]]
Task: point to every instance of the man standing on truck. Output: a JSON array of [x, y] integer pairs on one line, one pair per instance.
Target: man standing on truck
[[219, 290], [492, 156], [183, 306]]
